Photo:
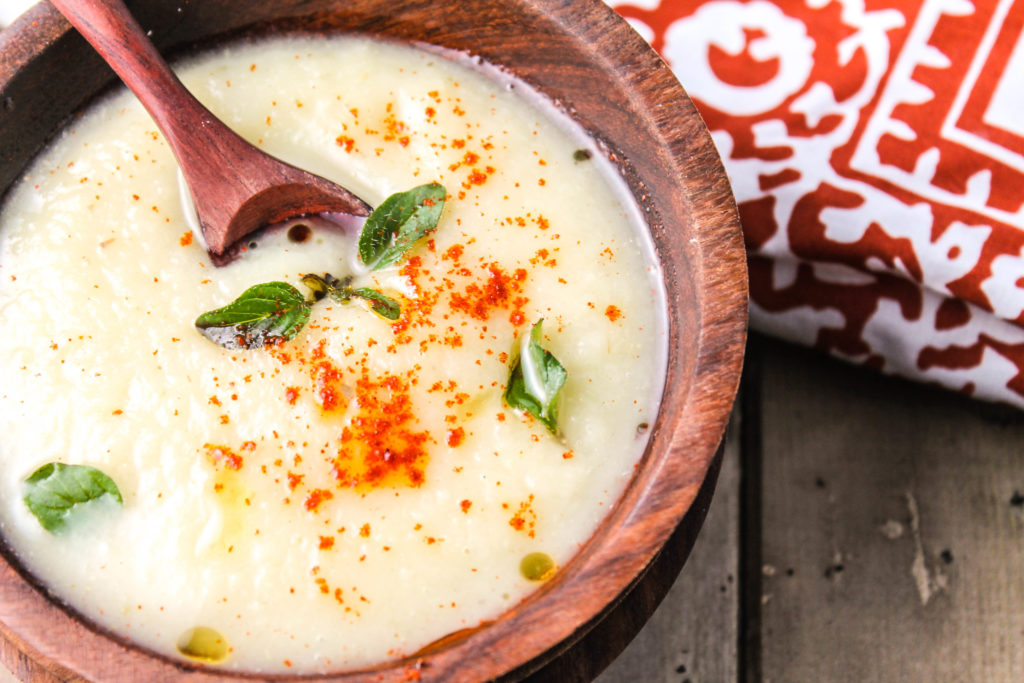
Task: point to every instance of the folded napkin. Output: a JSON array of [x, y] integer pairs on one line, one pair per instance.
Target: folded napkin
[[877, 156]]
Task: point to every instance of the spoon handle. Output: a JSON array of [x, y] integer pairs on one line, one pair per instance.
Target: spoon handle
[[235, 187], [117, 37]]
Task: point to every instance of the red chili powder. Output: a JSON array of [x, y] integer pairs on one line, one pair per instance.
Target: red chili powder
[[315, 497], [455, 437], [496, 293], [381, 446], [223, 456], [346, 142]]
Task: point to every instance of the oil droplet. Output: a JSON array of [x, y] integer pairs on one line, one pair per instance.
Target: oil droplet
[[300, 232], [204, 644], [537, 566]]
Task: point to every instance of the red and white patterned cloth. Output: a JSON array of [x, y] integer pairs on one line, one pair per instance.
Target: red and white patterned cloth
[[876, 150]]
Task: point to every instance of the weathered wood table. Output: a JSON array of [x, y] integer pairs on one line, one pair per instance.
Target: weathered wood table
[[863, 529]]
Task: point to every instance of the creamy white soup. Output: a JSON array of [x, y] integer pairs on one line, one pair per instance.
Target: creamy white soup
[[349, 495]]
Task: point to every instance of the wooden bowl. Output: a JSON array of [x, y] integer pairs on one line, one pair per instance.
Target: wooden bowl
[[589, 61]]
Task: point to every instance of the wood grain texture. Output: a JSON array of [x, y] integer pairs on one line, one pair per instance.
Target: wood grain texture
[[693, 634], [583, 56], [589, 656], [892, 547]]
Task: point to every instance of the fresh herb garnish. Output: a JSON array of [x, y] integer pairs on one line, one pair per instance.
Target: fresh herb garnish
[[276, 311], [382, 305], [342, 292], [56, 491], [398, 223], [263, 314], [536, 380]]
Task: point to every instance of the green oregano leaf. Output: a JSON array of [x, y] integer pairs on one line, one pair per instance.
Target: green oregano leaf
[[263, 314], [536, 380], [276, 311], [56, 491], [398, 223], [381, 304], [340, 291]]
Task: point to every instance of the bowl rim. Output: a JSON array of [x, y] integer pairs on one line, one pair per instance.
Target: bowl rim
[[664, 488]]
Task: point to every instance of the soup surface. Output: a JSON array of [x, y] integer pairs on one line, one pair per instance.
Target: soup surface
[[354, 493]]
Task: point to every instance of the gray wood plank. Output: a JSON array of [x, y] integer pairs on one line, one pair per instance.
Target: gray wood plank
[[692, 635], [892, 539]]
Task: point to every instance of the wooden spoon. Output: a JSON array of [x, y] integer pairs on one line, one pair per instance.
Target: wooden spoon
[[236, 188]]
